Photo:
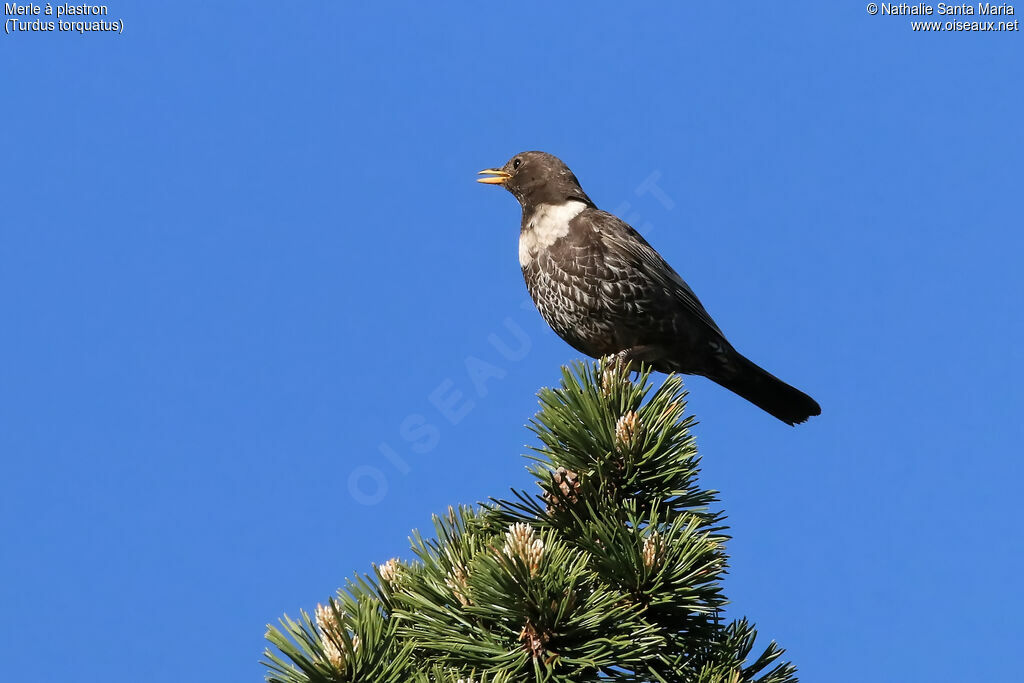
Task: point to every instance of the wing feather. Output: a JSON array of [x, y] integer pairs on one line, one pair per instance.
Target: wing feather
[[628, 246]]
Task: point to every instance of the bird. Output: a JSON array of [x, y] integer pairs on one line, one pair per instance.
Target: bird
[[606, 292]]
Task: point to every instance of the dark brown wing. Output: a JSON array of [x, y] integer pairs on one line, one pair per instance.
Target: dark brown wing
[[628, 252]]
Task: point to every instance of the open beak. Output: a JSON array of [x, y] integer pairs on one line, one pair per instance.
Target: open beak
[[494, 176]]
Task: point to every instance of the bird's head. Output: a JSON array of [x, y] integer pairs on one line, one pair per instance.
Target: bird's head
[[536, 178]]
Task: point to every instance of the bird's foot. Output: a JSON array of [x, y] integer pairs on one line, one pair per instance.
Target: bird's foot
[[621, 363], [624, 360]]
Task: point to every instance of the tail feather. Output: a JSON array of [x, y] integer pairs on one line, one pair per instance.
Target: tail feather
[[766, 391]]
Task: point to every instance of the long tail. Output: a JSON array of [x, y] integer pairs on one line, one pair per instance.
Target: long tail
[[766, 391]]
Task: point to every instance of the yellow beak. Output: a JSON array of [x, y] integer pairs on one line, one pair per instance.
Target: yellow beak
[[495, 176]]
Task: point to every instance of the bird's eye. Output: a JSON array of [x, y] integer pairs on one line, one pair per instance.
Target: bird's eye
[[516, 162]]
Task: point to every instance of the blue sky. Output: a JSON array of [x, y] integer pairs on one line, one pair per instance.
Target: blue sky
[[242, 257]]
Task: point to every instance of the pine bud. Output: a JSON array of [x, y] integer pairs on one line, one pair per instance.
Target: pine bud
[[611, 368], [330, 635], [627, 428], [521, 541], [457, 582], [390, 572], [568, 483], [653, 550]]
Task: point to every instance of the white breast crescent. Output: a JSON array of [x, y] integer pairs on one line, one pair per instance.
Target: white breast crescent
[[548, 224]]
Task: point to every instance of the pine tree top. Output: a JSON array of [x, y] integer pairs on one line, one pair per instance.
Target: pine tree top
[[611, 572]]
